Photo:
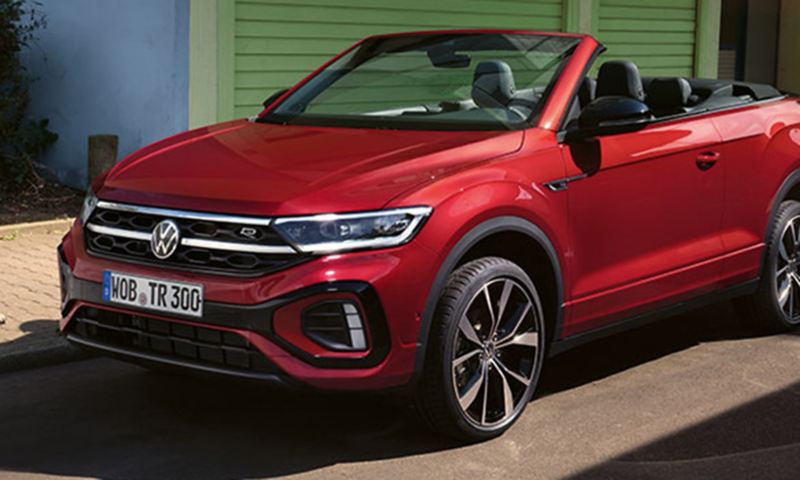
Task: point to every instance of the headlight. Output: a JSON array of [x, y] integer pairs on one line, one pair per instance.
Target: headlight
[[89, 202], [353, 231]]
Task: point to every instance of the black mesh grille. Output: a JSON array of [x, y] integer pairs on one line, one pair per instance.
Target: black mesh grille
[[190, 344], [191, 258], [327, 324]]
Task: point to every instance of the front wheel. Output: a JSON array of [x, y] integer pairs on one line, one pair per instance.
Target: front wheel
[[485, 353]]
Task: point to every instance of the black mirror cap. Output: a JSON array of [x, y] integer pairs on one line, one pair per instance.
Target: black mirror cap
[[613, 110], [271, 99]]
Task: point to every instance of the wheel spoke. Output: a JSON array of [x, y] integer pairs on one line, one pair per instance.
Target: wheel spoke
[[794, 232], [782, 251], [491, 310], [781, 272], [516, 376], [463, 358], [795, 278], [508, 397], [485, 392], [472, 390], [516, 322], [784, 292], [791, 302], [469, 331], [501, 307], [527, 339]]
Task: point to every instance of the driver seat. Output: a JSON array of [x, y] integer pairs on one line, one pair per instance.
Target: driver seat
[[493, 84], [620, 78]]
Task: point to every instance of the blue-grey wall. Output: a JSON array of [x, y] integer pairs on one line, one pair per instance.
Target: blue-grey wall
[[109, 67]]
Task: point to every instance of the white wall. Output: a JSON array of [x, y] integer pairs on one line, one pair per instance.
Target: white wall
[[113, 67]]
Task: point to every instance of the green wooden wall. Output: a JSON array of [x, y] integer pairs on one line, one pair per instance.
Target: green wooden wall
[[259, 46], [657, 35]]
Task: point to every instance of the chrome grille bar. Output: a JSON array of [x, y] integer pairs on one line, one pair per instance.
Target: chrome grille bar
[[119, 232], [237, 247], [169, 213]]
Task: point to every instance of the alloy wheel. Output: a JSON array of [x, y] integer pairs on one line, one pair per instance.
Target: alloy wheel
[[495, 353], [787, 275]]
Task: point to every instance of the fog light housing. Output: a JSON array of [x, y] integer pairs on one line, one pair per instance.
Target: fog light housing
[[337, 325]]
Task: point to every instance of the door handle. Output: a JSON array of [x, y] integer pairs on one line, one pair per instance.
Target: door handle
[[707, 160]]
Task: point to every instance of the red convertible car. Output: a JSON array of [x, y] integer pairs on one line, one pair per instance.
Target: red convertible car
[[437, 212]]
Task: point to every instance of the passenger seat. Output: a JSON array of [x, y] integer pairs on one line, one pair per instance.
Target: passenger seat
[[669, 96]]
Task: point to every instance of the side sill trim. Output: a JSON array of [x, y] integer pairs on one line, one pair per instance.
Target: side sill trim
[[636, 321]]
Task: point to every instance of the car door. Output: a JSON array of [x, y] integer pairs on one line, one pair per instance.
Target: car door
[[645, 214], [754, 174]]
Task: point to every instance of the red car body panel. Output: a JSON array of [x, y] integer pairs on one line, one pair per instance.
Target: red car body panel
[[342, 169], [760, 151], [613, 215], [646, 229]]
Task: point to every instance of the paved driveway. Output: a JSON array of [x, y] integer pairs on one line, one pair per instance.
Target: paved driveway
[[682, 399], [29, 296]]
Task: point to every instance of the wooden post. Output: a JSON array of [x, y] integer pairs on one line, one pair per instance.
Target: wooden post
[[706, 48], [788, 44], [102, 154]]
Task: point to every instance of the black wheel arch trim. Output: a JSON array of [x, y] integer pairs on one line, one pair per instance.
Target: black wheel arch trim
[[470, 239]]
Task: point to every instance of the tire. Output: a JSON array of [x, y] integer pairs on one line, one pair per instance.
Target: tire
[[775, 306], [463, 353]]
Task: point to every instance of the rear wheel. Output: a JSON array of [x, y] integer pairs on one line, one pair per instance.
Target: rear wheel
[[485, 353], [775, 306]]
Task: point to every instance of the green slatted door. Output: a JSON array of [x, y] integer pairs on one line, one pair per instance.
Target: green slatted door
[[278, 42], [657, 35]]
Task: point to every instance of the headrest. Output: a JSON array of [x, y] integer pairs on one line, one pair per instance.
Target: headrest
[[620, 78], [587, 91], [493, 84], [668, 92]]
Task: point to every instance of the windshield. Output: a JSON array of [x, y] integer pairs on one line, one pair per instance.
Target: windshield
[[432, 82]]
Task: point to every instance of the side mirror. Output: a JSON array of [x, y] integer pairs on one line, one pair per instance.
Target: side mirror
[[271, 99], [611, 115]]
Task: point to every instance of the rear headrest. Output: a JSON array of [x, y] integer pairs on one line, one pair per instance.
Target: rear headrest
[[668, 92], [493, 84], [587, 91], [620, 78]]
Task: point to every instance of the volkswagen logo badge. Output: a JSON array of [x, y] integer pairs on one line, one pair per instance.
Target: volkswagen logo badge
[[165, 239]]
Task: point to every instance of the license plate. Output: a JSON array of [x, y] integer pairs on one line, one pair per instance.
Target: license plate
[[153, 294]]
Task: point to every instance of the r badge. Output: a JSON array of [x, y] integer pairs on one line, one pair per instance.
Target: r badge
[[248, 232]]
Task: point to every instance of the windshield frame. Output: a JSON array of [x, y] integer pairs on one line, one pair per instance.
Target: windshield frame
[[366, 121]]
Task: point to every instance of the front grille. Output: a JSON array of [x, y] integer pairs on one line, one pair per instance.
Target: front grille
[[210, 243], [186, 343]]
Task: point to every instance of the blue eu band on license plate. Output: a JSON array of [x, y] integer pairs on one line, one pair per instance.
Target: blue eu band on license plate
[[106, 286], [153, 294]]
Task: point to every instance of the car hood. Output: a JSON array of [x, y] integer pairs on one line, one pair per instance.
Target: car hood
[[266, 169]]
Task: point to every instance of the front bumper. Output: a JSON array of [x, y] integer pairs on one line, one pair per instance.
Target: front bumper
[[378, 281]]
